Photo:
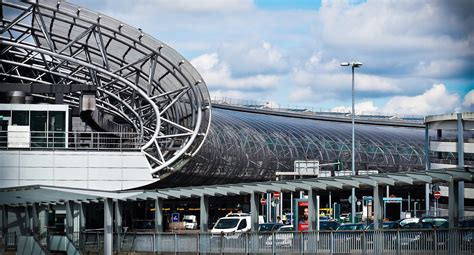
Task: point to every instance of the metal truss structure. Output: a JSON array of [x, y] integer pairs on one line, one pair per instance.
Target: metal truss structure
[[246, 146], [139, 81]]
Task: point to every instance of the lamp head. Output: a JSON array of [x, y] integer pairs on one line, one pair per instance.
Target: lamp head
[[345, 64], [356, 64]]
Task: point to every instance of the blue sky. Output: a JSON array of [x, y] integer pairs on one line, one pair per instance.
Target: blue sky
[[418, 55]]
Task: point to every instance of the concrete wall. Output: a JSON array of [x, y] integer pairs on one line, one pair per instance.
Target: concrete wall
[[78, 169]]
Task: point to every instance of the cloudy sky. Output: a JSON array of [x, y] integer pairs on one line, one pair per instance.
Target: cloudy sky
[[418, 55]]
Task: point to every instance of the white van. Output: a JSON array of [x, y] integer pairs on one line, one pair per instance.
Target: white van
[[190, 222], [232, 223]]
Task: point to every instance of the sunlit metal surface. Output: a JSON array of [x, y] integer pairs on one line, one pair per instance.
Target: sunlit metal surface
[[244, 146], [139, 80]]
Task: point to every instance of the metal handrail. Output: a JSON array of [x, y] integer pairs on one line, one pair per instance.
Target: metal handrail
[[71, 140]]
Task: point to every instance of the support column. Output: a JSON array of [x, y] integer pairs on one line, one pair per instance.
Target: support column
[[36, 222], [118, 224], [427, 167], [70, 219], [82, 217], [28, 226], [460, 150], [378, 207], [204, 217], [313, 210], [4, 226], [254, 211], [108, 239], [159, 215], [453, 199]]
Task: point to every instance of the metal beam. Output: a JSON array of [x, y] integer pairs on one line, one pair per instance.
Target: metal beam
[[384, 180], [159, 215], [365, 181], [400, 178], [421, 177], [108, 226], [334, 184], [204, 216], [42, 88], [440, 176], [349, 182]]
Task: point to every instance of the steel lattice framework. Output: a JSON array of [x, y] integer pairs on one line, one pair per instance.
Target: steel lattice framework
[[139, 80]]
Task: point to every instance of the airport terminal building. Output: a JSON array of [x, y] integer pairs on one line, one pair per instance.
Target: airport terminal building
[[95, 114]]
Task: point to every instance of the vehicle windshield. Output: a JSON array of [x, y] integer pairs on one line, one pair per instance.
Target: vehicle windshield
[[188, 221], [265, 227], [226, 223], [350, 227], [286, 228]]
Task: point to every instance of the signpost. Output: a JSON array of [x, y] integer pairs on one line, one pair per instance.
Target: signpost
[[175, 217], [436, 195]]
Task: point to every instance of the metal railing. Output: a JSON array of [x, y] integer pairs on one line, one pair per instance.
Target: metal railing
[[73, 140], [453, 241]]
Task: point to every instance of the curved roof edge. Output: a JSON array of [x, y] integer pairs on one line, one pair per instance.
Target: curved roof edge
[[316, 117]]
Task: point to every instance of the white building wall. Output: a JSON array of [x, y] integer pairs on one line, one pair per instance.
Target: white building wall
[[78, 169]]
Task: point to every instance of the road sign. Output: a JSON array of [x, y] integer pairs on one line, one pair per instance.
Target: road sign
[[276, 195], [350, 199], [175, 217], [437, 194], [306, 167], [263, 201]]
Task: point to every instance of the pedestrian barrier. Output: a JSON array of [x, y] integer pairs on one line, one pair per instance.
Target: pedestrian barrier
[[413, 241]]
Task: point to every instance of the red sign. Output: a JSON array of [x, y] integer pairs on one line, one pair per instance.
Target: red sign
[[263, 201], [437, 194], [276, 195]]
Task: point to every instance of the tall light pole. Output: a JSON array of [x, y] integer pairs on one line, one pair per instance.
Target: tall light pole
[[353, 65]]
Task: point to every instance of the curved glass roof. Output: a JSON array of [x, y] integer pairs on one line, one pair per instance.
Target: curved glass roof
[[251, 146], [138, 79]]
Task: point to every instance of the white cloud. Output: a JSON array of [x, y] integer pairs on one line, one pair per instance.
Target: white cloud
[[366, 107], [217, 75], [433, 101], [468, 103]]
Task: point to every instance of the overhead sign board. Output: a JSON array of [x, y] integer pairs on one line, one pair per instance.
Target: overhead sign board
[[306, 167]]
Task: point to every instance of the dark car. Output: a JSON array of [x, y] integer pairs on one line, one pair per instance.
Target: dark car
[[326, 225], [386, 225], [269, 227]]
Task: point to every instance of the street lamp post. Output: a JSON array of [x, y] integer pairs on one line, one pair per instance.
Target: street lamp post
[[353, 65]]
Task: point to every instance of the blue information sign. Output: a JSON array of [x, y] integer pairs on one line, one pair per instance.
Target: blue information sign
[[175, 217]]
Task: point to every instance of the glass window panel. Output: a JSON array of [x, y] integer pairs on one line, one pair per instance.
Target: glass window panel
[[57, 129], [38, 128], [20, 118]]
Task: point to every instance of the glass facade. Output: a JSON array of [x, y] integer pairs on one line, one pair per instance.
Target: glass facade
[[243, 146]]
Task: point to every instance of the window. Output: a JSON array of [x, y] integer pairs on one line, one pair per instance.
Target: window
[[20, 118], [38, 128], [243, 224], [57, 128]]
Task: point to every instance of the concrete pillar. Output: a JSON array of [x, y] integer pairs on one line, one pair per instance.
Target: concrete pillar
[[108, 238], [453, 199], [82, 217], [118, 224], [4, 222], [28, 226], [427, 167], [159, 215], [460, 150], [378, 207], [36, 222], [70, 218], [254, 211], [204, 217], [313, 210]]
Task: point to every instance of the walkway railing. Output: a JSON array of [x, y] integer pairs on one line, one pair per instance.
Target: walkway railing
[[70, 140], [453, 241]]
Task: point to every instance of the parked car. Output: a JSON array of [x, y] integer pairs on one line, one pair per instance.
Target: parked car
[[269, 227], [283, 237], [385, 225], [232, 225], [190, 222], [326, 225], [351, 226]]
